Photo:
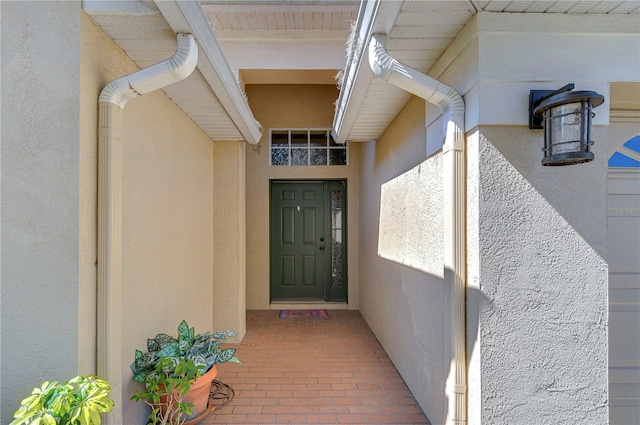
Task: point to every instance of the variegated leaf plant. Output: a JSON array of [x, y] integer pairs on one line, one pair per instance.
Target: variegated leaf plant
[[79, 401], [204, 350]]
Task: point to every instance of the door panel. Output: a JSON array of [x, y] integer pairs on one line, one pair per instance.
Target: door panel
[[297, 253]]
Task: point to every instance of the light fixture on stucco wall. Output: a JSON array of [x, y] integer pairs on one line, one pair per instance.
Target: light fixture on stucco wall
[[566, 117]]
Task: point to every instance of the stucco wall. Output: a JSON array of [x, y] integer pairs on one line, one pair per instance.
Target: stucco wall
[[229, 229], [167, 241], [402, 295], [291, 106], [539, 326], [40, 196]]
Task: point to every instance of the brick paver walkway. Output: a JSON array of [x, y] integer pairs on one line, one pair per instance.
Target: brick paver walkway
[[314, 371]]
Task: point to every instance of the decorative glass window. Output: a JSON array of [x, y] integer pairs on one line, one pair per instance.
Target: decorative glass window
[[337, 230], [305, 147]]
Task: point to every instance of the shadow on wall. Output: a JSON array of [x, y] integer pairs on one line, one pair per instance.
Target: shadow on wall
[[414, 331], [409, 272], [540, 258], [577, 193]]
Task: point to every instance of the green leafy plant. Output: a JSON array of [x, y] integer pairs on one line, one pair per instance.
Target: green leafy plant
[[203, 349], [170, 367], [165, 391], [79, 401]]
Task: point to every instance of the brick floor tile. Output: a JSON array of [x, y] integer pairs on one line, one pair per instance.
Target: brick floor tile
[[381, 418], [351, 418], [321, 419], [276, 409], [314, 371], [290, 419], [260, 419], [305, 394], [299, 401], [320, 401], [348, 401], [305, 409], [333, 409], [243, 410], [279, 393], [296, 387], [231, 419], [267, 387], [393, 408], [364, 408], [263, 401]]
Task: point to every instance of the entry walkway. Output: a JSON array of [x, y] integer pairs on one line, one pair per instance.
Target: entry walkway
[[314, 371]]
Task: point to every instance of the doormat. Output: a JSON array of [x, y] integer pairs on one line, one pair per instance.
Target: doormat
[[291, 314]]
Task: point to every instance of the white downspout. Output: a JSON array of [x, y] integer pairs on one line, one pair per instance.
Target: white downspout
[[112, 100], [452, 105]]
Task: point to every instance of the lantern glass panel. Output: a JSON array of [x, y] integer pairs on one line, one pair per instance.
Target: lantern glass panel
[[566, 132]]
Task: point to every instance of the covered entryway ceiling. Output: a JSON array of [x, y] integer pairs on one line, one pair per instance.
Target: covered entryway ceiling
[[418, 34], [299, 41]]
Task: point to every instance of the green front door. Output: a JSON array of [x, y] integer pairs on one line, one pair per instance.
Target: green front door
[[298, 241]]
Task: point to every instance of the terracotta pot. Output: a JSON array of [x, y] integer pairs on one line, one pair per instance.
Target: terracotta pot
[[198, 395], [199, 392]]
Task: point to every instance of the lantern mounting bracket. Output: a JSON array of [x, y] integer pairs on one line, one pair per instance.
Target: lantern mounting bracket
[[536, 97]]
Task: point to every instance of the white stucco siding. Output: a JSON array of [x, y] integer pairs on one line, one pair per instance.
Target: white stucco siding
[[40, 196], [402, 295], [542, 269]]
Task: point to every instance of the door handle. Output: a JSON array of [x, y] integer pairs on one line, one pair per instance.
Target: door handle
[[321, 248]]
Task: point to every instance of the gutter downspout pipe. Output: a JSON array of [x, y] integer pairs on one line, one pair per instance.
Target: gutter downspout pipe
[[111, 102], [453, 108]]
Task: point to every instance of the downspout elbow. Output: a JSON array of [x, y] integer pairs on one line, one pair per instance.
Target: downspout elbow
[[421, 85], [176, 68]]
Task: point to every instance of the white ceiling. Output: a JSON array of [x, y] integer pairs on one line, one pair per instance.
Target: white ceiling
[[275, 38], [270, 35]]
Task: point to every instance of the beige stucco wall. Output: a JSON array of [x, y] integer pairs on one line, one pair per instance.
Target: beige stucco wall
[[402, 295], [229, 230], [39, 197], [291, 106], [167, 240], [90, 87]]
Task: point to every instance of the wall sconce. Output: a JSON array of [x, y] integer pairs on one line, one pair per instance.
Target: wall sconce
[[566, 119]]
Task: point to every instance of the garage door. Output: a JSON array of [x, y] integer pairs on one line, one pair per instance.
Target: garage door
[[623, 226]]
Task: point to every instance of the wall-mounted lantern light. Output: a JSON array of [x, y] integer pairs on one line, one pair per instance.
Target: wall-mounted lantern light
[[566, 118]]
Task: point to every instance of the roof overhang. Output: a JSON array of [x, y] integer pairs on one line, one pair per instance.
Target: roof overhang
[[419, 33], [211, 96]]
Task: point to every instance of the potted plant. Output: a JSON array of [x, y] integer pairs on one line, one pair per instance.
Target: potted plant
[[177, 373], [79, 401]]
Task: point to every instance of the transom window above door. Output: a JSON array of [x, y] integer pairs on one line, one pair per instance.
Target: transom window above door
[[305, 147]]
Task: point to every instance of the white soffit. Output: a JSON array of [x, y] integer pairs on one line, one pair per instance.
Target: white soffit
[[418, 34], [142, 32], [267, 34], [564, 6]]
